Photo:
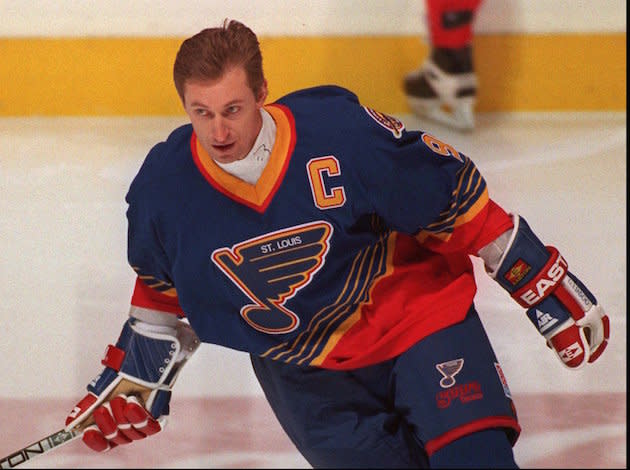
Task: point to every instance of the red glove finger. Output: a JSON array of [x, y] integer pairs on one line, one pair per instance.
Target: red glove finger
[[140, 418], [81, 407], [106, 423], [571, 345], [94, 439], [118, 405], [600, 349]]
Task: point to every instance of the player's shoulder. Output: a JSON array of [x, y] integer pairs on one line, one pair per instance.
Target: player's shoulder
[[330, 107], [321, 101], [318, 93], [178, 140], [163, 160]]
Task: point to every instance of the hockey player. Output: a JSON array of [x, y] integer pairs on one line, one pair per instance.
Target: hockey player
[[332, 244], [444, 88]]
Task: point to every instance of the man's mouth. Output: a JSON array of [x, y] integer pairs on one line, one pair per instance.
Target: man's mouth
[[223, 147]]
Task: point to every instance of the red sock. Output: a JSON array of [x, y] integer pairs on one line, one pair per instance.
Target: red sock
[[450, 22]]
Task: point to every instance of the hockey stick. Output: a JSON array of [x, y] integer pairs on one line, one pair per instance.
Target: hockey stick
[[40, 447]]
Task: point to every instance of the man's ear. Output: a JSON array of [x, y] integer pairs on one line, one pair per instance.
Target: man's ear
[[262, 93]]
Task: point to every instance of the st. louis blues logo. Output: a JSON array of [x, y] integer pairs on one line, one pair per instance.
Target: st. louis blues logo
[[449, 370], [272, 268]]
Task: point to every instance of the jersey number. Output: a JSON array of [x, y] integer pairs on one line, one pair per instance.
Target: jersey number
[[440, 147]]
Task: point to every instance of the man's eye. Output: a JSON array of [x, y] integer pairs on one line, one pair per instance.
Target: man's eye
[[233, 109], [201, 112]]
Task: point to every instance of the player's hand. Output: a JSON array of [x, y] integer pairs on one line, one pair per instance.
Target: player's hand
[[130, 399], [119, 420], [572, 322], [559, 305]]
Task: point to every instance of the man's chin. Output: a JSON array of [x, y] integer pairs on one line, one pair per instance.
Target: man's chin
[[224, 158]]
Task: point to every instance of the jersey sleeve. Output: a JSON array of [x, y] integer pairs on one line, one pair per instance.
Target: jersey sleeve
[[148, 298], [424, 187], [154, 288]]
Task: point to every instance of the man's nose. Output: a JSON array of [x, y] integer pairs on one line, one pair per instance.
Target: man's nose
[[220, 130]]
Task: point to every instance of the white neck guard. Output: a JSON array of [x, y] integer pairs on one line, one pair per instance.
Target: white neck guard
[[251, 167]]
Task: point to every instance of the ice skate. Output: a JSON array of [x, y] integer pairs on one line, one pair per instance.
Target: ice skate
[[444, 88]]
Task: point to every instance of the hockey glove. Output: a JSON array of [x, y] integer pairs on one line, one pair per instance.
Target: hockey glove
[[129, 400], [563, 310]]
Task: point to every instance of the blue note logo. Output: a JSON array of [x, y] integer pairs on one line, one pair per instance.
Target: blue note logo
[[449, 370], [272, 268]]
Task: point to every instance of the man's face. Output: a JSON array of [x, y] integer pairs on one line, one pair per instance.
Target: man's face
[[225, 114]]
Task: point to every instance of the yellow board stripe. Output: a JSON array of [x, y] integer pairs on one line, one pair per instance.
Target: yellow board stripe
[[132, 76]]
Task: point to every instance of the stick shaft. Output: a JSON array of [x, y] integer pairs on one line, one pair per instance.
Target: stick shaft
[[38, 448]]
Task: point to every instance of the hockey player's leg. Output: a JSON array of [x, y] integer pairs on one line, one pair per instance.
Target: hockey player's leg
[[485, 449], [457, 399], [436, 92], [444, 88], [339, 419]]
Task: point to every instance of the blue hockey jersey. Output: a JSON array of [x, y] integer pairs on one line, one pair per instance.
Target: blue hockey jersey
[[353, 245]]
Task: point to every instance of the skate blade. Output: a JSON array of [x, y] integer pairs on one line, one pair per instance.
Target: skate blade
[[460, 116]]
